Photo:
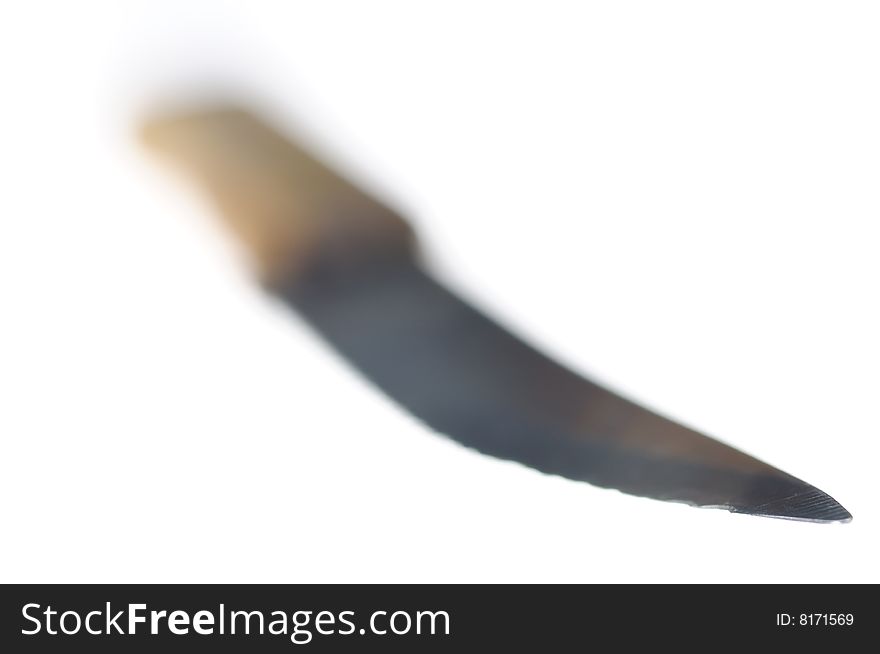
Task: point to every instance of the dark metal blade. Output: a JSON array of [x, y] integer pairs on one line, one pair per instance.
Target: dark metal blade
[[467, 377]]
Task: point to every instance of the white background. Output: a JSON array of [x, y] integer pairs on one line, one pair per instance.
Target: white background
[[678, 198]]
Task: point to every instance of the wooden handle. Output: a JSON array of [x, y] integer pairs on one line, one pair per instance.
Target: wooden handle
[[288, 209]]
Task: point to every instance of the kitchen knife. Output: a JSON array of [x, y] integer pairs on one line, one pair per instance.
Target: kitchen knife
[[349, 266]]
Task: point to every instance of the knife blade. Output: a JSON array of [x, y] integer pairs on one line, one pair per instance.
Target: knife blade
[[350, 267]]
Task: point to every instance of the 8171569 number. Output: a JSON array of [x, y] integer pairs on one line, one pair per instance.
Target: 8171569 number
[[815, 619]]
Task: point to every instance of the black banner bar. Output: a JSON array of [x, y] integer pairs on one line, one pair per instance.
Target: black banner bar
[[114, 618]]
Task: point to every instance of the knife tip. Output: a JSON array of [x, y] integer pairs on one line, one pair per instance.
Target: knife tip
[[809, 504]]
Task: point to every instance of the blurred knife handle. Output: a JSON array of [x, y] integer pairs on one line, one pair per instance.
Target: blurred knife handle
[[289, 210]]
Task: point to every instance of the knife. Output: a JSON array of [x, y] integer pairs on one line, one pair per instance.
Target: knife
[[350, 267]]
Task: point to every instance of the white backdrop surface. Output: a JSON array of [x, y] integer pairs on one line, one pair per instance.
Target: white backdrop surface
[[679, 198]]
